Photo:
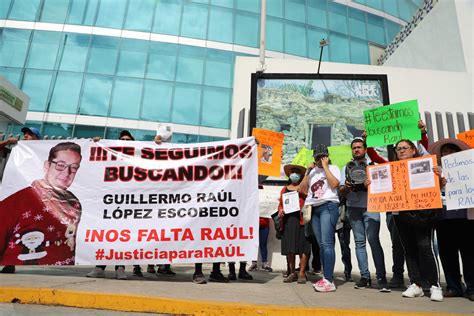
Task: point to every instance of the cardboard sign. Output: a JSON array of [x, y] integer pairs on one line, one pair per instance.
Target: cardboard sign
[[303, 158], [458, 169], [467, 137], [403, 185], [387, 125], [270, 145], [340, 155]]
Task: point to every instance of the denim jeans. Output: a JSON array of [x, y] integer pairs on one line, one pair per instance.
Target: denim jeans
[[324, 219], [263, 238], [366, 226]]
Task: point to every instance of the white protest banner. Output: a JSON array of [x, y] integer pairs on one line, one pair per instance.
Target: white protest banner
[[116, 202], [268, 200], [458, 169]]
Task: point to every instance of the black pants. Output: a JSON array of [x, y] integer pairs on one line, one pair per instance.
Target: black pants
[[417, 240], [456, 236], [344, 236], [398, 254]]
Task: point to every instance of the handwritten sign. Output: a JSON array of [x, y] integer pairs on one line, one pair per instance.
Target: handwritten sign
[[403, 185], [303, 158], [458, 169], [340, 155], [270, 145], [467, 137], [388, 124]]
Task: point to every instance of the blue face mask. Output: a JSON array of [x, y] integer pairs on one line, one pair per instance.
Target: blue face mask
[[295, 177]]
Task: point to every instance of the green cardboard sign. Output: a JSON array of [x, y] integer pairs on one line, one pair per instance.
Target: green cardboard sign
[[340, 155], [303, 158], [387, 125]]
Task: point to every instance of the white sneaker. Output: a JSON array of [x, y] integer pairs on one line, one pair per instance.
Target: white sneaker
[[96, 273], [120, 273], [253, 266], [413, 291], [324, 285], [436, 293]]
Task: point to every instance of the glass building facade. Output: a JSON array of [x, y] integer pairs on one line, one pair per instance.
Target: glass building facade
[[94, 67]]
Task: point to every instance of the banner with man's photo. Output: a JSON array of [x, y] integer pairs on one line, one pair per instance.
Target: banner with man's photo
[[66, 202]]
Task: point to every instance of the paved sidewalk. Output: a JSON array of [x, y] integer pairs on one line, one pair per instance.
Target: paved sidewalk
[[266, 295]]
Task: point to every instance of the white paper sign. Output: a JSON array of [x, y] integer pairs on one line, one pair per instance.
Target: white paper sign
[[268, 200], [291, 202], [380, 179], [458, 169]]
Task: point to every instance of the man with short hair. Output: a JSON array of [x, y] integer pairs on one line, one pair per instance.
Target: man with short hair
[[365, 225], [39, 222]]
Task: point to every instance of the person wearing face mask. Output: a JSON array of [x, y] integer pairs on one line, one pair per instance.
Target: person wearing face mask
[[293, 240], [321, 183]]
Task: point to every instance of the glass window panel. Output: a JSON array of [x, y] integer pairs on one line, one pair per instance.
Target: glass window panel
[[96, 95], [111, 13], [391, 7], [83, 12], [357, 23], [157, 108], [392, 30], [16, 128], [4, 7], [295, 10], [221, 23], [54, 11], [216, 108], [275, 8], [375, 29], [186, 104], [219, 73], [274, 34], [223, 3], [36, 86], [376, 4], [85, 131], [162, 61], [66, 93], [179, 138], [167, 17], [44, 50], [314, 37], [194, 22], [14, 46], [126, 98], [11, 74], [248, 5], [57, 129], [317, 13], [209, 139], [103, 55], [132, 58], [405, 9], [337, 17], [295, 39], [24, 10], [339, 48], [247, 29], [190, 64], [359, 52], [75, 52], [140, 15]]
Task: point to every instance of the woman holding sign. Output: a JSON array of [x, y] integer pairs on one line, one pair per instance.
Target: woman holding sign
[[321, 183], [416, 230], [293, 240]]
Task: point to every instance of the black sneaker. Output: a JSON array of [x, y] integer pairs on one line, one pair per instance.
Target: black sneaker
[[397, 282], [218, 277], [232, 276], [244, 275], [363, 283], [8, 269], [382, 286], [137, 271], [199, 278], [165, 272]]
